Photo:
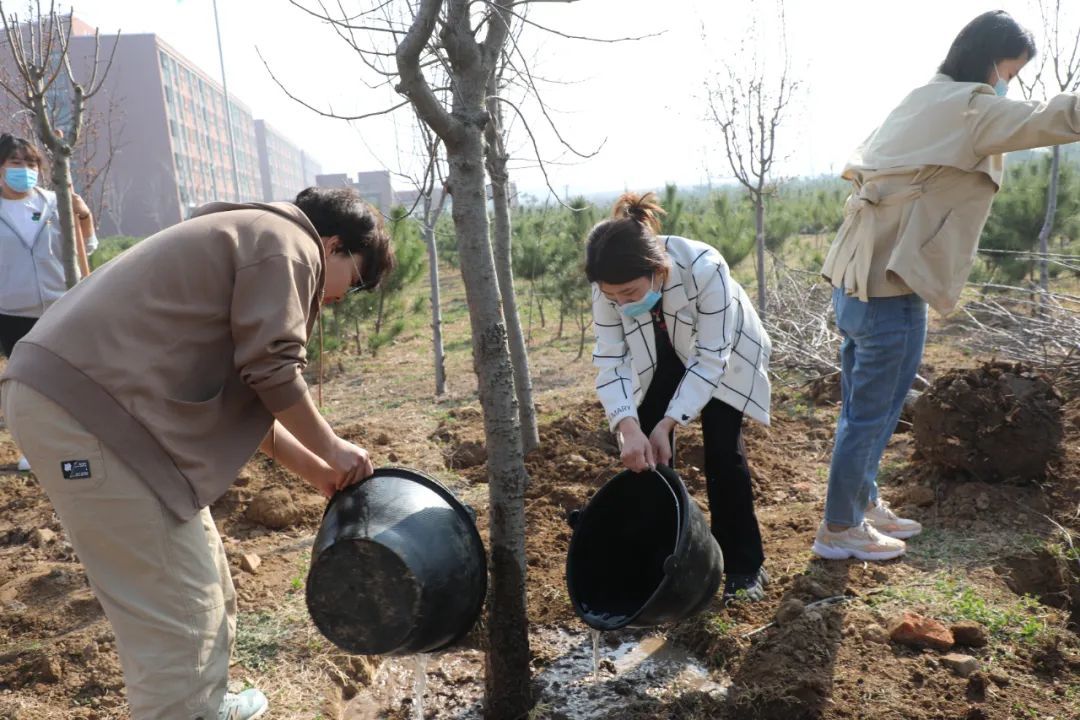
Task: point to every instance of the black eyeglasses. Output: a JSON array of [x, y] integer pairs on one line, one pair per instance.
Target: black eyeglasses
[[361, 284]]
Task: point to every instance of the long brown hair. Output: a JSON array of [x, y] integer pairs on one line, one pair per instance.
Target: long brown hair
[[625, 247]]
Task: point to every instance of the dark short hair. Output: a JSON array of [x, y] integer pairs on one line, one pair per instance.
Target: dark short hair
[[988, 39], [342, 212], [625, 246], [11, 146]]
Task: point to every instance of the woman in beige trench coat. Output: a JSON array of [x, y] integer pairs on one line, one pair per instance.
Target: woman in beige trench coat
[[922, 186]]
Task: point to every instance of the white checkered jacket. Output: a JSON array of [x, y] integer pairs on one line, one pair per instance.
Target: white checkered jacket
[[713, 328]]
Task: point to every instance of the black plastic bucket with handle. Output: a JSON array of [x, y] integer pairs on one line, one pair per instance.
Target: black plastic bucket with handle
[[642, 553], [397, 567]]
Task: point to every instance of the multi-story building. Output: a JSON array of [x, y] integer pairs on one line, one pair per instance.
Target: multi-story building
[[373, 186], [311, 169], [410, 199], [282, 164], [159, 122], [198, 134]]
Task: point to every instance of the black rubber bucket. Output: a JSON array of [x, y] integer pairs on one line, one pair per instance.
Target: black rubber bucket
[[397, 567], [641, 554]]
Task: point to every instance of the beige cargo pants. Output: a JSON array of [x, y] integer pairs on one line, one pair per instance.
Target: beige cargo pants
[[164, 584]]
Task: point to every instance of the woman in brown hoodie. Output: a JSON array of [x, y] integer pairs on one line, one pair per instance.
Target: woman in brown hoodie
[[141, 393]]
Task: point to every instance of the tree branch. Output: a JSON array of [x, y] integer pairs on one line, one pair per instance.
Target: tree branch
[[413, 85], [531, 84], [95, 84], [570, 36], [324, 113], [536, 148], [343, 24]]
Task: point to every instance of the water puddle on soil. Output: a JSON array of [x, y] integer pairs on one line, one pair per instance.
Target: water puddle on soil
[[595, 653], [630, 667], [420, 684]]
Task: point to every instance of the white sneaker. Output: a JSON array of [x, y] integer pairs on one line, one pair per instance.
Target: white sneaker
[[863, 542], [24, 464], [247, 705], [886, 522]]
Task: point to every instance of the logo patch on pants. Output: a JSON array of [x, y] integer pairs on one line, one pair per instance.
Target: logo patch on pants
[[75, 469]]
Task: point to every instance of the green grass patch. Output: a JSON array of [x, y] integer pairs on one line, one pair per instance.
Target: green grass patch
[[720, 624], [260, 637], [950, 598], [939, 546]]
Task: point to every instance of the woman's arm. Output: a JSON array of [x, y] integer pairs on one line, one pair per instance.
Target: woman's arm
[[328, 463], [283, 447], [85, 219], [611, 356], [269, 319], [1000, 125]]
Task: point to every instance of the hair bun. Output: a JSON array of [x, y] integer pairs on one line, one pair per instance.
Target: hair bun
[[644, 209]]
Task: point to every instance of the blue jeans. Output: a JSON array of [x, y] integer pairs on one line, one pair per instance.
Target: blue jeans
[[879, 358]]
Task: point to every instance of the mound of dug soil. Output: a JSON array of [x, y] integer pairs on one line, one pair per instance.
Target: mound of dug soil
[[995, 422], [1050, 578]]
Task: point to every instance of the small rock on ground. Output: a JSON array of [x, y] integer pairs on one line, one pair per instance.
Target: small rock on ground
[[917, 631]]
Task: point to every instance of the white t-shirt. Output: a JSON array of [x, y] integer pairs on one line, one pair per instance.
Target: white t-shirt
[[25, 216]]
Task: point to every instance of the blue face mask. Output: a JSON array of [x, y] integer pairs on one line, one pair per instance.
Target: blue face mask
[[1000, 87], [20, 179], [642, 306]]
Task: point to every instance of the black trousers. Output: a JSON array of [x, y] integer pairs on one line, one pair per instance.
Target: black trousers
[[727, 475], [12, 330]]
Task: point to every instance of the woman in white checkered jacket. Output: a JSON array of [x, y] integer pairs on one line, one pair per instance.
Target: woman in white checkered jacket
[[677, 338]]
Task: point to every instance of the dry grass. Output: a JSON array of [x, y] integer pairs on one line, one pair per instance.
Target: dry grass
[[279, 651], [398, 384]]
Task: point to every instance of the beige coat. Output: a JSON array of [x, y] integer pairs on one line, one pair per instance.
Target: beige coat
[[176, 353], [923, 185]]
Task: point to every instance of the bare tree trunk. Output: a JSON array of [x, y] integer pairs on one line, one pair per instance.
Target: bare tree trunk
[[1048, 222], [508, 687], [507, 668], [356, 335], [114, 202], [749, 106], [335, 321], [61, 179], [582, 325], [496, 163], [379, 314], [540, 308], [759, 227], [532, 297], [436, 306]]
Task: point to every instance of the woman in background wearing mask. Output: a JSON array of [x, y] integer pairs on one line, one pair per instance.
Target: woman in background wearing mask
[[677, 338], [923, 183], [31, 254], [31, 246]]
